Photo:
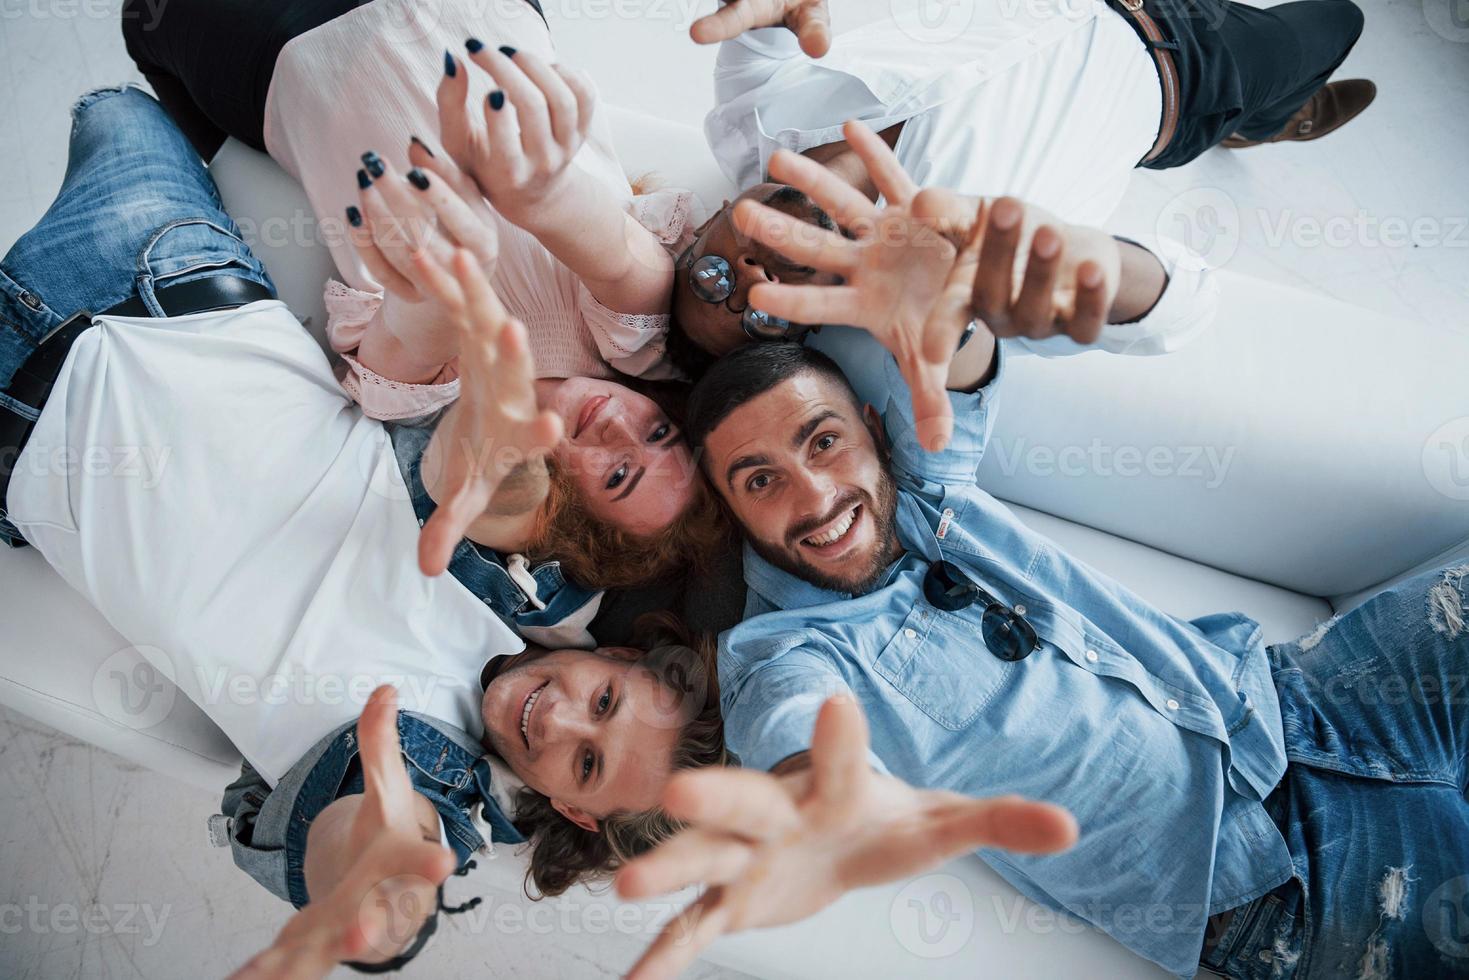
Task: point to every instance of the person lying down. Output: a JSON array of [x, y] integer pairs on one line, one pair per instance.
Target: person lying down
[[276, 550]]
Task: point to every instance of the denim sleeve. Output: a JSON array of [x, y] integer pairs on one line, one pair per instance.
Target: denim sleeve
[[974, 419], [770, 714]]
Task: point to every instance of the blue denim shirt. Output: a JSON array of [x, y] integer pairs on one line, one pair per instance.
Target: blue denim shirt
[[1161, 736], [560, 611]]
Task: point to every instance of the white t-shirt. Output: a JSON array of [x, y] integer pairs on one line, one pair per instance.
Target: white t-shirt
[[206, 484]]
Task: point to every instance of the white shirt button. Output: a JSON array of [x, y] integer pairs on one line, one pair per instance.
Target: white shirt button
[[1091, 655], [910, 633], [1172, 705], [1019, 610]]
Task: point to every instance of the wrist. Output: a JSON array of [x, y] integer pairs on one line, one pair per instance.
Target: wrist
[[1141, 282]]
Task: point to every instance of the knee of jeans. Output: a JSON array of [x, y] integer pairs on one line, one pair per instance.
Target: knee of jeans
[[99, 94]]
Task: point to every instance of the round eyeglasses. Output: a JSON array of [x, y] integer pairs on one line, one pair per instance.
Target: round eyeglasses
[[1006, 633], [712, 280]]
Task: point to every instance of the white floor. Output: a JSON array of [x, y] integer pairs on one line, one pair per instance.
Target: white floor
[[104, 869]]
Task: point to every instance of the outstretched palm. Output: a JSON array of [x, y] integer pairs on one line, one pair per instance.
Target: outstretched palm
[[390, 888], [495, 433], [776, 849]]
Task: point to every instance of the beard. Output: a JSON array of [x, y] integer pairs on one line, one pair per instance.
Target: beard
[[865, 570]]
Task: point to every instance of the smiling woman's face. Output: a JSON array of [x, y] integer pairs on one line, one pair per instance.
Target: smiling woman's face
[[627, 459], [592, 730]]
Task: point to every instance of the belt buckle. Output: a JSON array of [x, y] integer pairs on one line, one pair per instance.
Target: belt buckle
[[1131, 6], [64, 325]]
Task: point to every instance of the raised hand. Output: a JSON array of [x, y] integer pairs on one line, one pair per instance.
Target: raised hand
[[435, 209], [519, 143], [390, 887], [495, 433], [807, 19], [775, 849], [892, 267]]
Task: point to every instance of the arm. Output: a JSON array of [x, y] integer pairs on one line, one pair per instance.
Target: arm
[[776, 848], [373, 865], [520, 152], [485, 465]]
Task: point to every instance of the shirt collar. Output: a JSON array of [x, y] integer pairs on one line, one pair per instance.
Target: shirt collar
[[787, 591]]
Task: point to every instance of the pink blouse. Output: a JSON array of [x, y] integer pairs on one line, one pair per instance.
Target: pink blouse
[[366, 81]]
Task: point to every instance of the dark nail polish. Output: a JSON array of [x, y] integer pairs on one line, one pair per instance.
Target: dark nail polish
[[373, 163], [420, 144], [418, 179], [354, 217], [363, 181], [497, 100], [474, 45], [507, 50], [450, 68]]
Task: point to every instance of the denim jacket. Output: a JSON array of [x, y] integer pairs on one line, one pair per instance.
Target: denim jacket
[[537, 602]]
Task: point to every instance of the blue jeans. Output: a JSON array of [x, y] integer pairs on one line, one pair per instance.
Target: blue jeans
[[136, 212], [1373, 806]]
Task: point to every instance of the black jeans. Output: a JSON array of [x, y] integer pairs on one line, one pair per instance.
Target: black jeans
[[210, 61], [1245, 70]]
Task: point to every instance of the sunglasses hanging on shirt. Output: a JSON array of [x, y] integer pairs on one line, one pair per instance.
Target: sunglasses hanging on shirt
[[1006, 633]]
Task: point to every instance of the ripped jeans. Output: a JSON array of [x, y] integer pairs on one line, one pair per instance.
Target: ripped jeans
[[1373, 805]]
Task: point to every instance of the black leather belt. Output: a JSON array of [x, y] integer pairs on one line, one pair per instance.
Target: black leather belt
[[31, 385]]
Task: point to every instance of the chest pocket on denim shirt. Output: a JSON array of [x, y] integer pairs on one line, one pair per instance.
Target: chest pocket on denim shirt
[[939, 662]]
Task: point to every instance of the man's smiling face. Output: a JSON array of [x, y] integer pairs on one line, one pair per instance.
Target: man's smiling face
[[801, 469]]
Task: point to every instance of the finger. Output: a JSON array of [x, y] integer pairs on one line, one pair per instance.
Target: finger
[[735, 18], [456, 132], [383, 774], [839, 763], [439, 284], [740, 802], [422, 156], [690, 857], [892, 181], [957, 217], [848, 206], [586, 96], [485, 314], [399, 222], [454, 218], [515, 377], [950, 313], [994, 279], [359, 231], [448, 524], [1011, 823], [811, 23], [367, 231], [1090, 313], [933, 412], [1034, 309], [520, 93], [797, 240], [685, 937], [812, 304], [562, 105]]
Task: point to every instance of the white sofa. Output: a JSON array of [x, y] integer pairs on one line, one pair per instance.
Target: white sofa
[[1288, 464]]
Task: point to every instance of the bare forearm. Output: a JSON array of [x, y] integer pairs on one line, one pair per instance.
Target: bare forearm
[[623, 265], [408, 342], [1140, 285]]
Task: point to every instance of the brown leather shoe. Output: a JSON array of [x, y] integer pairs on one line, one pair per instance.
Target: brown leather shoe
[[1333, 106]]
